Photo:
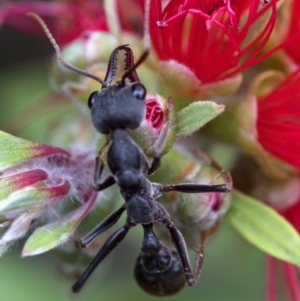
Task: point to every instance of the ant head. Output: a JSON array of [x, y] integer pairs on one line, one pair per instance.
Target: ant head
[[118, 107], [121, 105], [160, 274]]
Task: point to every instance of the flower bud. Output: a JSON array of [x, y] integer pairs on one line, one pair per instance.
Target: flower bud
[[191, 212], [184, 82], [159, 114], [34, 180], [202, 211]]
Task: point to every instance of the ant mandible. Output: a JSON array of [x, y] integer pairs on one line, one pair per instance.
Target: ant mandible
[[159, 270]]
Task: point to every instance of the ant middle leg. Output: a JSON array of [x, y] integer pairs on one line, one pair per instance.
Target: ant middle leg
[[110, 244], [199, 188], [102, 227], [196, 188]]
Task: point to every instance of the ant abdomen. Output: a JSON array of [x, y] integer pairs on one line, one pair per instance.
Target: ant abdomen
[[161, 274]]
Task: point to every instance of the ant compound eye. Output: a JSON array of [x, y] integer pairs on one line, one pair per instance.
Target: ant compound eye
[[91, 99], [139, 91]]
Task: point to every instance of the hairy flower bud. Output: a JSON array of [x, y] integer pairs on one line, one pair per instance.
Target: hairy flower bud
[[159, 114], [34, 180], [192, 212]]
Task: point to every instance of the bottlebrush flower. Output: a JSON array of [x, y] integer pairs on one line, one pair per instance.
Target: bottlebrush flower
[[37, 180], [203, 46], [284, 196], [278, 125], [268, 121], [290, 280], [67, 20], [293, 49]]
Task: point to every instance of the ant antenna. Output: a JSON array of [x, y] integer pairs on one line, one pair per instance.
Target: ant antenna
[[58, 53], [147, 42]]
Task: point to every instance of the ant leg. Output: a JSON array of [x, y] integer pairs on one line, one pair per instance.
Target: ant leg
[[198, 188], [161, 140], [179, 243], [181, 248], [200, 257], [110, 244], [102, 227], [110, 180], [100, 162], [224, 173]]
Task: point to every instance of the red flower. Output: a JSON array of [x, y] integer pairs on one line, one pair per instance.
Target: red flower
[[290, 277], [154, 114], [67, 21], [294, 28], [288, 271], [211, 37], [278, 120]]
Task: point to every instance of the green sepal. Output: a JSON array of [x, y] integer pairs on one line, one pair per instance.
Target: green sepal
[[54, 234], [196, 115], [15, 150], [23, 199], [264, 227]]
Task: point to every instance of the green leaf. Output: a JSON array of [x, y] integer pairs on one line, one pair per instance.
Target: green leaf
[[48, 237], [197, 114], [52, 235], [265, 228]]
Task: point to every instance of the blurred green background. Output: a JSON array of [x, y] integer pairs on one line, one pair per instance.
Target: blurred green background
[[233, 269]]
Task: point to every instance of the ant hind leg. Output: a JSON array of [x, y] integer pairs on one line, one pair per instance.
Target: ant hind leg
[[110, 244]]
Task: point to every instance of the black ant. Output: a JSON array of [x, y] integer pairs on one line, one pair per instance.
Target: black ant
[[159, 270]]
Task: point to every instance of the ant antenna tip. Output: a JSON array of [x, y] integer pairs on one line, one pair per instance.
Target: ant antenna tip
[[58, 52]]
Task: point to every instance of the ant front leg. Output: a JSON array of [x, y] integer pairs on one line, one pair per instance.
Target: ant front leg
[[110, 180], [161, 140], [100, 162]]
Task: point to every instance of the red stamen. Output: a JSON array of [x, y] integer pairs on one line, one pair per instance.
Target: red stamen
[[154, 114], [291, 281], [271, 279]]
